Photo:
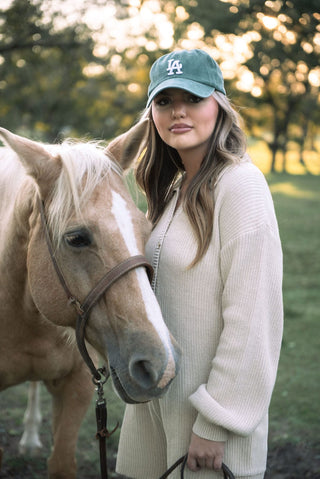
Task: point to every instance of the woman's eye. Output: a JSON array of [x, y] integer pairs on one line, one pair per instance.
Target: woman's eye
[[195, 99], [78, 240], [162, 101]]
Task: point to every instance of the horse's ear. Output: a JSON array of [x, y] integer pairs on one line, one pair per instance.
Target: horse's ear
[[128, 146], [38, 162]]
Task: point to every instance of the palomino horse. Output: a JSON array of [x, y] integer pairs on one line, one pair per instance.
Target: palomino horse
[[93, 225]]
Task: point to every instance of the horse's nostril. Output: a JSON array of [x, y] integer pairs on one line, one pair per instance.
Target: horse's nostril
[[144, 373]]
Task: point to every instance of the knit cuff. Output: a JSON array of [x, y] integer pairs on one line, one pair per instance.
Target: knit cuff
[[207, 430]]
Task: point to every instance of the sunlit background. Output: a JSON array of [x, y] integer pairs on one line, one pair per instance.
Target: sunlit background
[[269, 56], [230, 50]]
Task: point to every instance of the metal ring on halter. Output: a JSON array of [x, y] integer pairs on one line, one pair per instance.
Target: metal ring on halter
[[104, 373]]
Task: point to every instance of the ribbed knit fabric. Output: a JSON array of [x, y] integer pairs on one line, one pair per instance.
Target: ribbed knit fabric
[[226, 313]]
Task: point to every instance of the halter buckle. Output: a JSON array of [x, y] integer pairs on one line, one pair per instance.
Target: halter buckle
[[77, 305]]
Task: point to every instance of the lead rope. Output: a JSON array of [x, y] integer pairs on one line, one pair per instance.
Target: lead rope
[[102, 417], [103, 433]]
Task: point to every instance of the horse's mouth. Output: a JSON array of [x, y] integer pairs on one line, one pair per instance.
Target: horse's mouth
[[122, 392]]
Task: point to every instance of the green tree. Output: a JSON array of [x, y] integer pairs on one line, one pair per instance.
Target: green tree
[[285, 46], [54, 84], [41, 71], [283, 55]]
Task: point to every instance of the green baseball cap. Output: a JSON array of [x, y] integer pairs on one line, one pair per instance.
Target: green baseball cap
[[191, 70]]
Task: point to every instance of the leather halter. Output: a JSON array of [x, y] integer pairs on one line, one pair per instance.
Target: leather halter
[[83, 309]]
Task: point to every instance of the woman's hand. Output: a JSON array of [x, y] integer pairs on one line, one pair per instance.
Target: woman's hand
[[204, 453]]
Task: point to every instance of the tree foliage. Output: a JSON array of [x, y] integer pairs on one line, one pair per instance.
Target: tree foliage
[[284, 57], [53, 80], [41, 70], [285, 47], [44, 86]]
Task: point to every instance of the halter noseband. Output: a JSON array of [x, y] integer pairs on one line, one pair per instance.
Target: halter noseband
[[83, 309]]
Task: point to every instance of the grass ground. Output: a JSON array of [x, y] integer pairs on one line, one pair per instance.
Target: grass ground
[[295, 407]]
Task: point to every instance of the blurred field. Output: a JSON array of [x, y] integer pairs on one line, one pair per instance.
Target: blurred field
[[295, 408], [262, 158]]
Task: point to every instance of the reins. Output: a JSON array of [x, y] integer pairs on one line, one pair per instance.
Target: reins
[[101, 375], [227, 474]]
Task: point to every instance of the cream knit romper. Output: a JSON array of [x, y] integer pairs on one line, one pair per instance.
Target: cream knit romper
[[226, 313]]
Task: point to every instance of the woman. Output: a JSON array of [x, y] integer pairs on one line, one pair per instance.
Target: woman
[[216, 253]]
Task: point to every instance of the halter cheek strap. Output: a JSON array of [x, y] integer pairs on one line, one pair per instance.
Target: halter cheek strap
[[95, 294]]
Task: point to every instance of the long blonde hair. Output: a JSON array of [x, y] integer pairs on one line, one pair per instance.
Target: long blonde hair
[[160, 168]]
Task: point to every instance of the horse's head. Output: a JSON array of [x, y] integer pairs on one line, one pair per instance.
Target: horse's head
[[94, 225]]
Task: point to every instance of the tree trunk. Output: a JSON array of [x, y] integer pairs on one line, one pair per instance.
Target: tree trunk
[[273, 149]]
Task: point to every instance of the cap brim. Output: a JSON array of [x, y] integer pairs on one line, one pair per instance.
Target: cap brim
[[198, 89]]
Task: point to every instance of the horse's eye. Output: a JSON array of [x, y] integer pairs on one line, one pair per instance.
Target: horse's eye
[[78, 239]]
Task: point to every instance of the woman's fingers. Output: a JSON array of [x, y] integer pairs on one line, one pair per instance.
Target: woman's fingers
[[193, 464], [217, 463], [204, 454]]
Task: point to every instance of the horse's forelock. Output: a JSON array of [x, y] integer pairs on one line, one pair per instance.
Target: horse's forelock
[[84, 164], [83, 167]]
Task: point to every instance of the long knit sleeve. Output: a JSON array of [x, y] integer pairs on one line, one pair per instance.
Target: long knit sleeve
[[237, 394]]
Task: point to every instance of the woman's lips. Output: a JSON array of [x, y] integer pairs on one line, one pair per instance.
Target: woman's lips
[[180, 128]]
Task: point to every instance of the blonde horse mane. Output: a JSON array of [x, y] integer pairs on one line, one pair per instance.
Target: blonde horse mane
[[84, 165]]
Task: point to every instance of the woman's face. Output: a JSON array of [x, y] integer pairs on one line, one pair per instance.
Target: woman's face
[[184, 121]]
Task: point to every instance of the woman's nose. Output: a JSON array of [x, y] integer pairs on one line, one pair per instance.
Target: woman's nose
[[178, 110]]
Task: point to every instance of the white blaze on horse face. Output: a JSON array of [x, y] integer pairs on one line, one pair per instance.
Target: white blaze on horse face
[[124, 220]]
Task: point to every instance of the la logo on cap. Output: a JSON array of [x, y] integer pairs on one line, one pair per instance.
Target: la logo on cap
[[174, 67]]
